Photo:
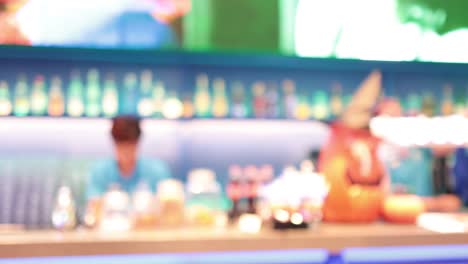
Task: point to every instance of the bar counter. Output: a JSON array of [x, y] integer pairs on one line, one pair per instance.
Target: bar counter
[[332, 237]]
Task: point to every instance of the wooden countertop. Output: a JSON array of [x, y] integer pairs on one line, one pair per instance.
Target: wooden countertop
[[327, 236]]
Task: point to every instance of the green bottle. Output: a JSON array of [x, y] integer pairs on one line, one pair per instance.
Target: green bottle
[[347, 100], [465, 112], [93, 94], [129, 99], [320, 109], [5, 101], [75, 104], [460, 98], [21, 105], [413, 103], [39, 97], [145, 104], [110, 97], [159, 96], [202, 100]]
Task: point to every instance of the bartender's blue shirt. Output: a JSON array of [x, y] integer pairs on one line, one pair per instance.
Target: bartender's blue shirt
[[106, 173]]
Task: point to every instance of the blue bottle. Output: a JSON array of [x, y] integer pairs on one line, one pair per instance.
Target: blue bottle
[[129, 95], [460, 171]]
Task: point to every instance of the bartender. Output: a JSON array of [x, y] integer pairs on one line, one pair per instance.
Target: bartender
[[409, 168], [126, 169]]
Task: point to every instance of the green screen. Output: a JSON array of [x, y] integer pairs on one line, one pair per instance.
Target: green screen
[[388, 30]]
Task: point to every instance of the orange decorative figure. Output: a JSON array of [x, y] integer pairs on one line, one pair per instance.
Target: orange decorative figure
[[350, 163], [168, 10], [9, 32]]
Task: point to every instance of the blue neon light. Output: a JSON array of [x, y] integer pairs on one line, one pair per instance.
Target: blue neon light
[[312, 256], [442, 254]]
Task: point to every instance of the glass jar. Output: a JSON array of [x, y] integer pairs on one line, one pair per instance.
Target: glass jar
[[205, 203], [115, 214], [170, 199], [144, 209]]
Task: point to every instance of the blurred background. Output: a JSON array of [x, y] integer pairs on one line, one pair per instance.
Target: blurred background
[[254, 85]]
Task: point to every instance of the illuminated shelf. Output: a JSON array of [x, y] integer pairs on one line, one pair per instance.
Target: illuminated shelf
[[164, 138], [12, 124]]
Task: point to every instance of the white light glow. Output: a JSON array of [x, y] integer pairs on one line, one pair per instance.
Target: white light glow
[[250, 223], [281, 215], [173, 108], [297, 219], [145, 107], [422, 131]]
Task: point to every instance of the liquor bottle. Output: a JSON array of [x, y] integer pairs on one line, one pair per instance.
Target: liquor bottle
[[38, 97], [128, 100], [447, 104], [173, 107], [159, 96], [413, 103], [250, 187], [320, 105], [56, 101], [460, 98], [238, 107], [220, 101], [259, 100], [463, 104], [290, 99], [145, 105], [336, 102], [428, 104], [303, 110], [21, 105], [400, 96], [75, 104], [188, 108], [5, 101], [64, 213], [202, 100], [234, 190], [93, 94], [272, 100], [110, 97]]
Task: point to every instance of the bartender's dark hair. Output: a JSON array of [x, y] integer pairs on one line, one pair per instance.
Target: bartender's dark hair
[[126, 128]]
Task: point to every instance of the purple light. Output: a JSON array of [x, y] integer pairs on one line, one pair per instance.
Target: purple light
[[312, 256], [444, 253]]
